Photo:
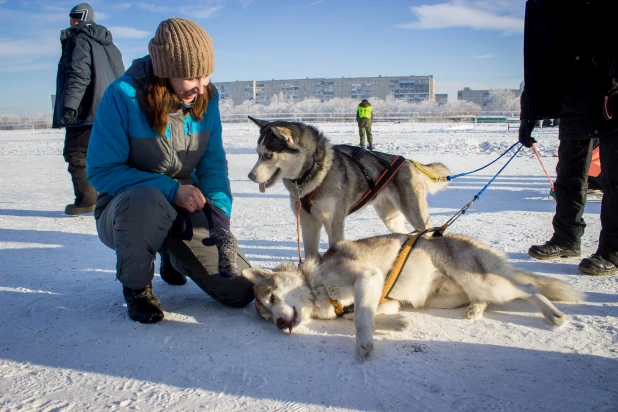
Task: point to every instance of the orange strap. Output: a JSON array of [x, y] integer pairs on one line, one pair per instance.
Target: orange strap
[[543, 166], [400, 262], [393, 274]]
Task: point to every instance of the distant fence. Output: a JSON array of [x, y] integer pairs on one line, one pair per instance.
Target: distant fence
[[384, 117], [483, 117], [25, 124]]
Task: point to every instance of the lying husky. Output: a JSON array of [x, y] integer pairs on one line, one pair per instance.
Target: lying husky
[[441, 272], [305, 160]]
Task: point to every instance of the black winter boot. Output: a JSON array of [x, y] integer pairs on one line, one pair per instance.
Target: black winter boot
[[73, 209], [597, 265], [143, 305], [550, 250], [168, 273]]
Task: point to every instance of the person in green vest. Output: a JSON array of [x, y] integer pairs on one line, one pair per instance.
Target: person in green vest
[[364, 116]]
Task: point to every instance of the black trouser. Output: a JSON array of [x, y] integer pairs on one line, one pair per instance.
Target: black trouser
[[136, 224], [74, 152], [571, 186]]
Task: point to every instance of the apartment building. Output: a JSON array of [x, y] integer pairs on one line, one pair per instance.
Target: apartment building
[[480, 97], [408, 88]]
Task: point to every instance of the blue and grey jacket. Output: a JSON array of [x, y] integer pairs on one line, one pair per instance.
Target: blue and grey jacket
[[125, 151]]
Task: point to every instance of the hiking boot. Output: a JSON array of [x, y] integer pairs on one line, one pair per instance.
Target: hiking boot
[[370, 147], [73, 209], [169, 274], [597, 265], [550, 251], [143, 305]]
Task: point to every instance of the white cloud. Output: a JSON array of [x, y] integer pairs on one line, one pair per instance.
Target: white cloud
[[315, 3], [479, 15], [12, 48], [152, 8], [245, 3], [27, 67], [119, 32], [484, 56], [122, 6], [53, 8], [101, 16], [3, 1], [200, 13]]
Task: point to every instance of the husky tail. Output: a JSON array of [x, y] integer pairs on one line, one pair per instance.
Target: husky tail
[[432, 171], [552, 289]]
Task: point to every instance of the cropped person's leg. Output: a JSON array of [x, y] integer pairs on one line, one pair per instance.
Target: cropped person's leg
[[361, 132], [570, 188], [74, 153], [605, 260], [135, 224]]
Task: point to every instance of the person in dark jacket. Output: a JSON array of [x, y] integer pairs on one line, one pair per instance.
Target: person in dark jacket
[[571, 73], [364, 117], [89, 63], [156, 157]]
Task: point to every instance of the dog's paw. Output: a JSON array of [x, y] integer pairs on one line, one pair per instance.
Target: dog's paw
[[364, 349], [556, 318], [475, 310], [391, 322], [348, 316]]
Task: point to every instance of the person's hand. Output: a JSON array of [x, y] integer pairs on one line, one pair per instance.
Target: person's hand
[[525, 132], [68, 116], [190, 198]]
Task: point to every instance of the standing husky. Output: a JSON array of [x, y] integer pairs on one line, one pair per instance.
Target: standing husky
[[305, 160], [441, 272]]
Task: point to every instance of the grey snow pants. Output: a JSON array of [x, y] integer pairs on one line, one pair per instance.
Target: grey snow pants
[[136, 224]]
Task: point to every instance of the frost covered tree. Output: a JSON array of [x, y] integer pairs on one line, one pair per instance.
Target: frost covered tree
[[503, 100], [346, 107]]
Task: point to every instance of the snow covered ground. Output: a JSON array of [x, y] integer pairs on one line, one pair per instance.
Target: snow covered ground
[[66, 342]]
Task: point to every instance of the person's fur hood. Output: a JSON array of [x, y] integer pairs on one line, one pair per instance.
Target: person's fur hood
[[364, 104]]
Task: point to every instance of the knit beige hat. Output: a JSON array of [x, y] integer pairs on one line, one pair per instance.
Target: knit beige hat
[[181, 48]]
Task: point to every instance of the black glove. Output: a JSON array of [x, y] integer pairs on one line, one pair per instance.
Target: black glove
[[68, 116], [525, 131], [225, 241], [182, 228]]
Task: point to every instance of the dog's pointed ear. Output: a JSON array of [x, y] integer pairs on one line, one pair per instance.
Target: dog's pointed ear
[[254, 275], [283, 133], [261, 123]]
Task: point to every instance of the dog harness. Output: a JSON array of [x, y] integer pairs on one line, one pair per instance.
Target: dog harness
[[391, 277], [358, 155]]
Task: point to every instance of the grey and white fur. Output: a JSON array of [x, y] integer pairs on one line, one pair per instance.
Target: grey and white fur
[[441, 272], [294, 150]]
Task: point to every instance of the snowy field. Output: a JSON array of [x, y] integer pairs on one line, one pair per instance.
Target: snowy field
[[66, 341]]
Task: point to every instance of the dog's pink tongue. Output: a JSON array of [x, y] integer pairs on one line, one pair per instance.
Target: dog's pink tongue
[[262, 187]]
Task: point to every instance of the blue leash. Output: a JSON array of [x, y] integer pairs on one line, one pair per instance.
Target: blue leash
[[440, 230], [449, 178]]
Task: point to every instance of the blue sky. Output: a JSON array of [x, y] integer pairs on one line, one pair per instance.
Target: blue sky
[[460, 42]]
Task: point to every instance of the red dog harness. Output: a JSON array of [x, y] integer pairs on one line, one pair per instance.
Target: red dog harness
[[391, 163]]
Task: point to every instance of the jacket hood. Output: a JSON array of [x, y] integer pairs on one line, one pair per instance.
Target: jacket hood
[[140, 70], [140, 67], [363, 104], [98, 33]]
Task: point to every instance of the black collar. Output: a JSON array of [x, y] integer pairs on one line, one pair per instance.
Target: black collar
[[305, 175]]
